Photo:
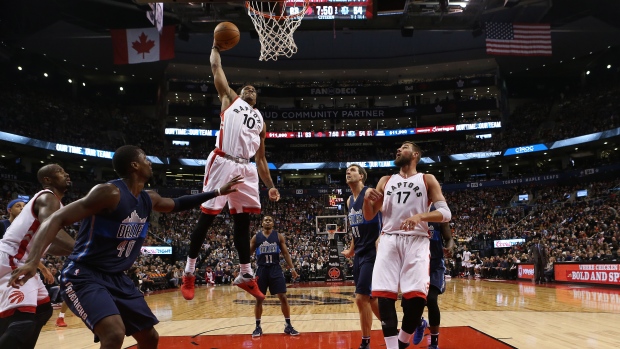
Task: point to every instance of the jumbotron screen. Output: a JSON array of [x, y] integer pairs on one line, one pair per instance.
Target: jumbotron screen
[[333, 9]]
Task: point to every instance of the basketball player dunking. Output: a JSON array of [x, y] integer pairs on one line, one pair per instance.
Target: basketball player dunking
[[241, 137], [403, 252], [365, 233]]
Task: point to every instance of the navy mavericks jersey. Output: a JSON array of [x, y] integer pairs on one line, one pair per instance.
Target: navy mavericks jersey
[[434, 230], [111, 242], [267, 249], [364, 232]]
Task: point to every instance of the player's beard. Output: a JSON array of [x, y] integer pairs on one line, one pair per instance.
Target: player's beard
[[402, 160]]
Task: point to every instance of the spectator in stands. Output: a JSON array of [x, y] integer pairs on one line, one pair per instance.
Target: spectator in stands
[[14, 208], [549, 272]]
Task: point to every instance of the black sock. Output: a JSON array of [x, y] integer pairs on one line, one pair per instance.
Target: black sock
[[434, 338], [288, 321], [402, 345], [257, 322], [365, 340]]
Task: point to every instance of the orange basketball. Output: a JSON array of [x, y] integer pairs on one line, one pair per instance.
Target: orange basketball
[[226, 36]]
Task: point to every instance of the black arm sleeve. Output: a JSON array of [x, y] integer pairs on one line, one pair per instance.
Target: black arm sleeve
[[187, 202]]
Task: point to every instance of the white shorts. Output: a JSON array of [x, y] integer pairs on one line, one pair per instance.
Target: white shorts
[[219, 171], [26, 298], [403, 261]]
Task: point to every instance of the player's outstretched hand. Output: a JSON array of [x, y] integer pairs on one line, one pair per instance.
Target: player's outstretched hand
[[294, 274], [274, 194], [228, 187], [22, 274]]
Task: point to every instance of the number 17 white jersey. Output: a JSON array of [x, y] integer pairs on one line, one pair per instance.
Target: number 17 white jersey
[[240, 129], [403, 198]]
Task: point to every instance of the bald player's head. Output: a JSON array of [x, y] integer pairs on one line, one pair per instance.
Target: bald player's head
[[45, 173]]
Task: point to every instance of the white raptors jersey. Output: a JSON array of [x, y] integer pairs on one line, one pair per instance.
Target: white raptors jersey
[[403, 198], [240, 129], [17, 238]]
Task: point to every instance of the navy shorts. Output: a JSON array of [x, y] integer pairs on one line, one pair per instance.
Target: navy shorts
[[272, 277], [362, 273], [438, 272], [93, 295]]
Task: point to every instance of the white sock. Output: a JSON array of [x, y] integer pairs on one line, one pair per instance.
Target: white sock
[[61, 315], [246, 269], [391, 342], [190, 267], [404, 336]]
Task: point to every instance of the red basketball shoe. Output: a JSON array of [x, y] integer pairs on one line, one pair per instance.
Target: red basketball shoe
[[187, 289], [248, 283]]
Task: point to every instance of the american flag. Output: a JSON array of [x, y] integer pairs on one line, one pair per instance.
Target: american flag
[[518, 39]]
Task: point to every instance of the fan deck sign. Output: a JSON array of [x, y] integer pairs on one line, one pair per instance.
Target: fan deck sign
[[142, 45]]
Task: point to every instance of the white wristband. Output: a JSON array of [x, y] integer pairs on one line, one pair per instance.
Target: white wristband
[[218, 192]]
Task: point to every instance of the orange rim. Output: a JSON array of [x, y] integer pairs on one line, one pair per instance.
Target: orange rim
[[278, 18]]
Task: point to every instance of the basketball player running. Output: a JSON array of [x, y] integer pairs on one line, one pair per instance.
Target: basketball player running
[[115, 220], [242, 136], [23, 312], [268, 245], [365, 233], [441, 243], [403, 252]]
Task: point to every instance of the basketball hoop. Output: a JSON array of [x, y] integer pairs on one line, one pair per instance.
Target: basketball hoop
[[331, 234], [275, 23]]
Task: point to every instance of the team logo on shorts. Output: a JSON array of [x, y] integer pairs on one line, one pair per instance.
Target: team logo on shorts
[[16, 297], [334, 273]]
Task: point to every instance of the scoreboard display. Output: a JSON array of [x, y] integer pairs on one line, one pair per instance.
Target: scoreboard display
[[333, 9]]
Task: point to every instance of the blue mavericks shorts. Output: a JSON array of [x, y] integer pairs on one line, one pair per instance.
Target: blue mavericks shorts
[[438, 272], [271, 276], [362, 273], [93, 295]]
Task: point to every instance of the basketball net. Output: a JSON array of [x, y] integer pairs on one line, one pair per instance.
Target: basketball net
[[275, 23], [331, 234]]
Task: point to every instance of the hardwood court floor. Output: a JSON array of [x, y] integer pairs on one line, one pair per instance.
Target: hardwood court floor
[[491, 314]]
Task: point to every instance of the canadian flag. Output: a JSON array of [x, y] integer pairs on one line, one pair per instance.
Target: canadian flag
[[142, 45]]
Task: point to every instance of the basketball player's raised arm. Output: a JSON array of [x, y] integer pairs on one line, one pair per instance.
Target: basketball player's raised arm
[[227, 94], [186, 202], [287, 255], [101, 197], [263, 167], [373, 200]]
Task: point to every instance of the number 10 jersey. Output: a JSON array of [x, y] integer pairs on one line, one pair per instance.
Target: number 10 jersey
[[240, 129]]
